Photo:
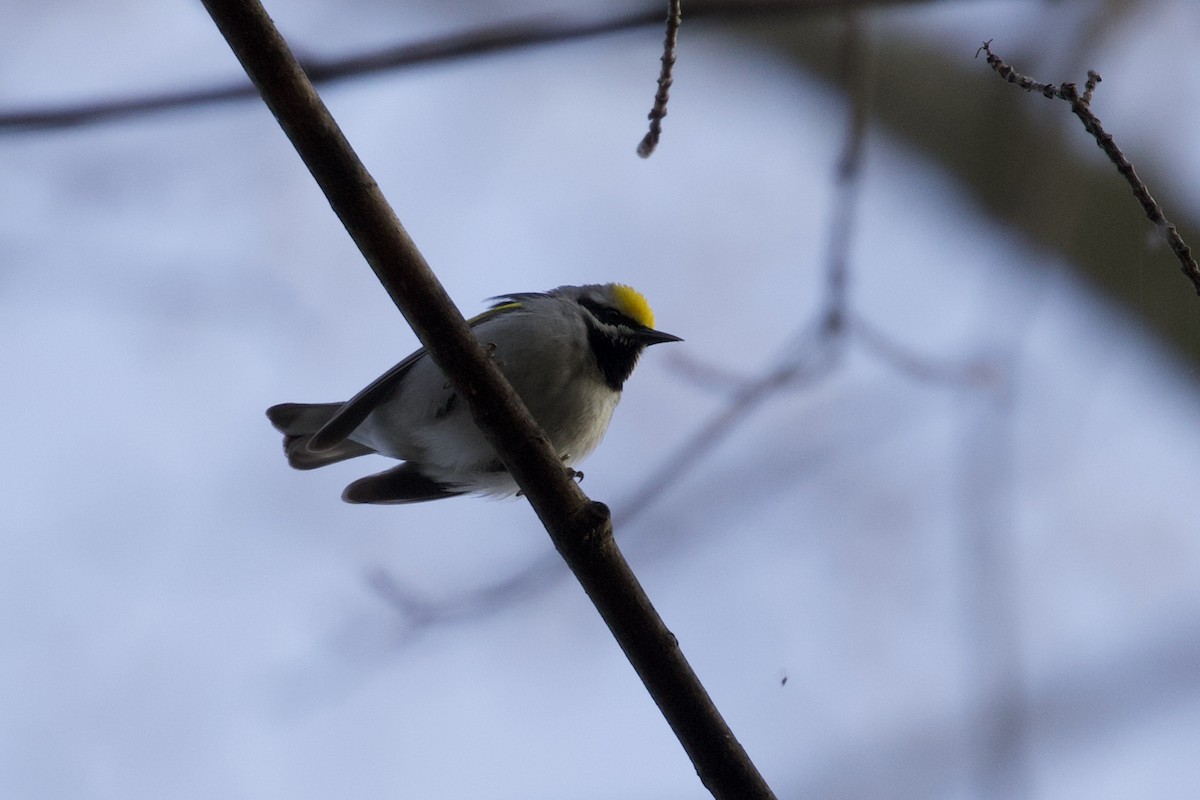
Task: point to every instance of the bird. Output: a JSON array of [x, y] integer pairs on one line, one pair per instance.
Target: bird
[[567, 352]]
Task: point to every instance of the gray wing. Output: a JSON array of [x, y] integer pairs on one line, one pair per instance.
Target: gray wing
[[355, 410], [402, 484], [358, 408]]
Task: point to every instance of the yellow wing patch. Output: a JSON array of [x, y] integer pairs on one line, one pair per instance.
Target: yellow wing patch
[[493, 311], [631, 303]]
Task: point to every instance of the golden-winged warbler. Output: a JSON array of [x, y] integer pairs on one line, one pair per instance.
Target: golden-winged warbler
[[567, 352]]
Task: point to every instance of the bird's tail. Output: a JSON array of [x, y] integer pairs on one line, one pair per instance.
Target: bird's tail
[[298, 422]]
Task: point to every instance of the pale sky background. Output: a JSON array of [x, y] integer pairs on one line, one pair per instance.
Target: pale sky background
[[186, 617]]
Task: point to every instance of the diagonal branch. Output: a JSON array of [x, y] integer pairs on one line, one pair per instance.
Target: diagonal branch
[[580, 529], [1081, 107]]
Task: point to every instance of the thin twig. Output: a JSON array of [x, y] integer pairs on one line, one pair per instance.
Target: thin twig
[[659, 110], [1081, 107], [815, 351]]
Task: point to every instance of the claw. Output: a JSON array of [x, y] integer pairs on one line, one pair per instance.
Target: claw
[[573, 474]]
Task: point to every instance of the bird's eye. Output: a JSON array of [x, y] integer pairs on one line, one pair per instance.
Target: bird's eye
[[608, 315]]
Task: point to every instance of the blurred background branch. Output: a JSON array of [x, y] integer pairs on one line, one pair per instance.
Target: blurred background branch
[[468, 44]]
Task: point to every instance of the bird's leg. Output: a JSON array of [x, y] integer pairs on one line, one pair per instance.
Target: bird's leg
[[573, 474]]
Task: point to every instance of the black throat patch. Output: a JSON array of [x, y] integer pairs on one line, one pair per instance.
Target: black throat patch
[[616, 356]]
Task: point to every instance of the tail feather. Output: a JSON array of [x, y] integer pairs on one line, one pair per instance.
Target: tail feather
[[298, 422]]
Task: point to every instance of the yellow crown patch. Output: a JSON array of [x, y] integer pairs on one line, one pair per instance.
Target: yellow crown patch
[[631, 303]]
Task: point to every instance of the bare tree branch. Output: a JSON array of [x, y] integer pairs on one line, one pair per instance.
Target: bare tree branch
[[1081, 107], [580, 529]]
